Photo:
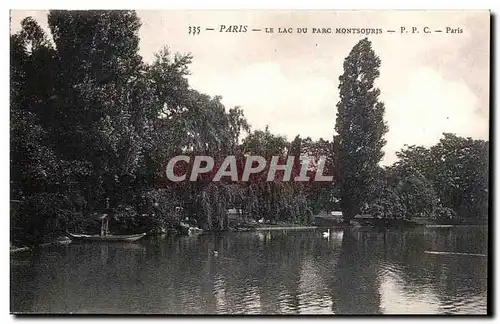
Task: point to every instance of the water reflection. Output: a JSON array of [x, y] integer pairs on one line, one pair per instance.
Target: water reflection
[[270, 272], [355, 285]]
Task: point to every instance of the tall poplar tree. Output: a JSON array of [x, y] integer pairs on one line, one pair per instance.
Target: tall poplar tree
[[360, 127]]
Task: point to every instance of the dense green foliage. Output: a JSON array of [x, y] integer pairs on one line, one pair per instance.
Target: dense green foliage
[[447, 182], [90, 121], [360, 127]]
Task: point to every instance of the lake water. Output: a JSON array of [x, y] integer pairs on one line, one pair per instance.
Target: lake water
[[270, 272]]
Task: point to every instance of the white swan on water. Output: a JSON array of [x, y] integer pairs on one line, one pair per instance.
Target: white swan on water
[[327, 233]]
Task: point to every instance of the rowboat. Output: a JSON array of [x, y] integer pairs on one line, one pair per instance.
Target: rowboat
[[105, 238], [105, 235]]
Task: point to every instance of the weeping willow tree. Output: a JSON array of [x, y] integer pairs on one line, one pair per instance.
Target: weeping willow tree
[[276, 201], [213, 202]]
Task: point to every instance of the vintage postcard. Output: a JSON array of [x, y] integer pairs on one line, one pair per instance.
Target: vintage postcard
[[249, 162]]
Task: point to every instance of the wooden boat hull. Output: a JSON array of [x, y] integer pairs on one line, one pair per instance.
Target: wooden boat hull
[[106, 238]]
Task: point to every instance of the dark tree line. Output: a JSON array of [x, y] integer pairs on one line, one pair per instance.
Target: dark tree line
[[92, 122], [447, 182]]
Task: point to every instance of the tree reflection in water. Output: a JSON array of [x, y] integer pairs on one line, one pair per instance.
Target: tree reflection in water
[[272, 272]]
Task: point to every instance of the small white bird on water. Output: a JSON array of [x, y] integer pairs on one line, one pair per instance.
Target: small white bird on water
[[327, 233]]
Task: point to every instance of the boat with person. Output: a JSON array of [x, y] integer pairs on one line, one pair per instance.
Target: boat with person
[[105, 236]]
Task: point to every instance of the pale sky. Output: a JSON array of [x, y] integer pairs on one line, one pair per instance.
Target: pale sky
[[430, 83]]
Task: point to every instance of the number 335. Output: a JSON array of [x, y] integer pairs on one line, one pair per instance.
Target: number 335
[[194, 30]]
